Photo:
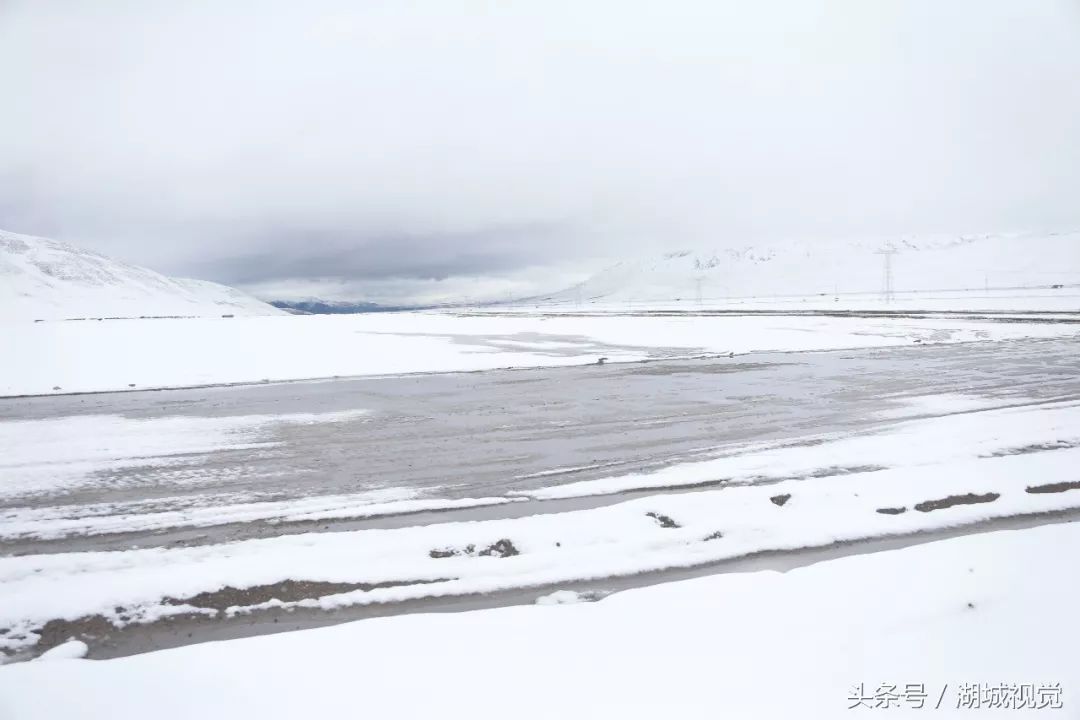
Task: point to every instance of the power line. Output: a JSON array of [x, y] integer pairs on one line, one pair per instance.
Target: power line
[[887, 253]]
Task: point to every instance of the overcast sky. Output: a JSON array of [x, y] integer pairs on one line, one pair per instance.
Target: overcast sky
[[391, 149]]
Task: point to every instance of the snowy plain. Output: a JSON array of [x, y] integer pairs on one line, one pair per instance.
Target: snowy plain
[[916, 629], [91, 356]]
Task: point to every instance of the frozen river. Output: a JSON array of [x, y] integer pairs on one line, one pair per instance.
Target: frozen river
[[486, 434]]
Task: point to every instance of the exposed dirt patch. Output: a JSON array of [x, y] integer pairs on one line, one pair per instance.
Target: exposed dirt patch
[[57, 632], [452, 552], [285, 591], [1037, 447], [1053, 487], [500, 548], [968, 499], [892, 510], [663, 520], [780, 500], [715, 536]]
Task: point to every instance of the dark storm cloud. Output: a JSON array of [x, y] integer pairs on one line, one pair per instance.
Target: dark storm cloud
[[348, 257], [420, 139]]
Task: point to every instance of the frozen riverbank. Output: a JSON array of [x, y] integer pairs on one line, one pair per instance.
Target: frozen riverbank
[[949, 626]]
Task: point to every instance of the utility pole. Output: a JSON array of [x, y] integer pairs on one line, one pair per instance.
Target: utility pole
[[887, 281]]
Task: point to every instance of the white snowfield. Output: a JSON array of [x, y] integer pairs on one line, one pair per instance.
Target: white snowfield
[[67, 357], [1026, 271], [940, 626], [42, 279], [923, 475]]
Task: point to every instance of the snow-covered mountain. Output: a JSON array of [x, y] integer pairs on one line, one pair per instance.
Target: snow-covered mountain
[[49, 280], [814, 268]]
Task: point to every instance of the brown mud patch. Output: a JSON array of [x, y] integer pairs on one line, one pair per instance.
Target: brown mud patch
[[285, 591], [1053, 487], [952, 500]]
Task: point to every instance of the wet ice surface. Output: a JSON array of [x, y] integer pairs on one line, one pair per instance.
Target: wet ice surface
[[487, 435]]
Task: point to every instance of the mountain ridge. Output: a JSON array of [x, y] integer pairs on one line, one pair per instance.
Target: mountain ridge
[[45, 279], [859, 266]]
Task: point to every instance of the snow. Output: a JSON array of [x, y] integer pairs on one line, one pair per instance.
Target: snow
[[66, 357], [562, 597], [40, 456], [990, 272], [984, 609], [25, 522], [71, 650], [42, 279], [752, 645], [921, 460], [912, 444]]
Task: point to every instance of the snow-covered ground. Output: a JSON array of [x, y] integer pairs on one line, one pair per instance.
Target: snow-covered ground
[[65, 357], [206, 511], [923, 474], [984, 272], [42, 279], [977, 626], [1038, 299]]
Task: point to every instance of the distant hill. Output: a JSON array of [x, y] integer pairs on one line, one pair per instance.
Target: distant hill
[[811, 268], [42, 279]]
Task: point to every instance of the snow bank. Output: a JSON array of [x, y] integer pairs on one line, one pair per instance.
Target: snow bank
[[71, 650], [935, 622]]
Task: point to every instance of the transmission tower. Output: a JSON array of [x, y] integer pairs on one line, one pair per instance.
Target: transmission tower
[[887, 253]]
